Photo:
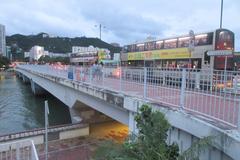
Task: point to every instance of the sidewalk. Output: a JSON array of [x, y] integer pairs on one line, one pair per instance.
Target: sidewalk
[[71, 149]]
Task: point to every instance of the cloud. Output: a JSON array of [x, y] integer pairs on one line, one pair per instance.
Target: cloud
[[125, 21]]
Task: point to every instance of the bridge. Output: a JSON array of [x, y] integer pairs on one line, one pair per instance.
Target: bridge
[[197, 103]]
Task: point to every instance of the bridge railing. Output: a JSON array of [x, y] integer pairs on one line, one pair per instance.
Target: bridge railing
[[19, 150], [209, 93]]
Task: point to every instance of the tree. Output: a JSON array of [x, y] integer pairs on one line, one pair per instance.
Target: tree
[[44, 59], [4, 62], [149, 144]]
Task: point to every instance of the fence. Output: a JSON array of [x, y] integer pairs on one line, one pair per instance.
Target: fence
[[80, 152], [18, 150], [209, 93]]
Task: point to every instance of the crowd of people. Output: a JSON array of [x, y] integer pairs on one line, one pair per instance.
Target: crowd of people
[[97, 70]]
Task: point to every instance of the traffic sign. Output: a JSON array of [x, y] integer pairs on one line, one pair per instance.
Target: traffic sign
[[220, 53]]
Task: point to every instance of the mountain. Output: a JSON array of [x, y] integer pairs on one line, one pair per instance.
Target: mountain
[[56, 44]]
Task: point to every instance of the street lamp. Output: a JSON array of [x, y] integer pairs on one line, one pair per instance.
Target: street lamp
[[100, 30], [221, 15]]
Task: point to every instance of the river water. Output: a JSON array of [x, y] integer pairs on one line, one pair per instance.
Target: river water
[[20, 110]]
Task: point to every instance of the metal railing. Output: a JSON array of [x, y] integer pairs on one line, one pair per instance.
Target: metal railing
[[210, 93], [78, 152], [18, 150]]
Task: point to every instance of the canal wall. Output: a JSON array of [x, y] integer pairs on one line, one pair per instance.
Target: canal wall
[[59, 132]]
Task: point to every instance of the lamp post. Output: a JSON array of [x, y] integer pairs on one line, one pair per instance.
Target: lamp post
[[225, 64], [100, 30], [221, 15], [46, 129]]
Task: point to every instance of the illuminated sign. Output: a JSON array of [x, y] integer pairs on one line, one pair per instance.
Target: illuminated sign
[[179, 53], [220, 53], [237, 53]]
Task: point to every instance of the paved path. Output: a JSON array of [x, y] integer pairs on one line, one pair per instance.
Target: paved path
[[83, 148]]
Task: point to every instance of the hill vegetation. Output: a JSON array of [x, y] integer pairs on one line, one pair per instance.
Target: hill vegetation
[[56, 44]]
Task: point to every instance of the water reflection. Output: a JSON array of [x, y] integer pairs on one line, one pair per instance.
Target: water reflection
[[20, 110]]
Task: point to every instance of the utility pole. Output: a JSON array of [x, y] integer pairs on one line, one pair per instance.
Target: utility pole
[[221, 15]]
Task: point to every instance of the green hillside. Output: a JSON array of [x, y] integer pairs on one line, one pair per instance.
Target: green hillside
[[56, 44]]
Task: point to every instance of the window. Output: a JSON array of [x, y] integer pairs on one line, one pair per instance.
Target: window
[[149, 46], [131, 48], [159, 45], [140, 47], [171, 43], [183, 42], [203, 39]]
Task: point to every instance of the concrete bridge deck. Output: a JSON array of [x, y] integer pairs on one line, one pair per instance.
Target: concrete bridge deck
[[194, 112]]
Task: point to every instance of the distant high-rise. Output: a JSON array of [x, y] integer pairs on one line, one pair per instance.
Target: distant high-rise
[[2, 40]]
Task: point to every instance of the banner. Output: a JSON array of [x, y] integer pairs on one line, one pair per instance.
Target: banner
[[179, 53]]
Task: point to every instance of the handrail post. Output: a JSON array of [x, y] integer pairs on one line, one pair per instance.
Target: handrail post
[[183, 87], [145, 83], [103, 76], [238, 118], [91, 76], [17, 152], [120, 76]]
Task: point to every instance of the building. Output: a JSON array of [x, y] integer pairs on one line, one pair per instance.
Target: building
[[51, 54], [82, 50], [26, 54], [36, 52], [88, 55], [8, 53], [2, 40], [115, 44]]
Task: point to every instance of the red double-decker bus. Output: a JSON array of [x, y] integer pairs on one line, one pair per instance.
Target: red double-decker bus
[[224, 40], [175, 52]]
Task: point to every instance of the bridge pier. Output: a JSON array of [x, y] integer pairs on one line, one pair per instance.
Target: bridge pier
[[25, 79], [36, 89]]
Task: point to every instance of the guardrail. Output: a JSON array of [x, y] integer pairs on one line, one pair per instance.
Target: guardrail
[[210, 93], [18, 150]]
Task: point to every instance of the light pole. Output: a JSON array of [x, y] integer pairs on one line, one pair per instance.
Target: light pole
[[225, 64], [46, 129], [221, 15], [100, 30]]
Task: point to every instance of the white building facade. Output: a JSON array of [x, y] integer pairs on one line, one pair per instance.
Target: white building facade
[[51, 54], [2, 40], [88, 54], [36, 52]]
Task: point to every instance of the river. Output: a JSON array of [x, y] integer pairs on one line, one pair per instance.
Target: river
[[20, 110]]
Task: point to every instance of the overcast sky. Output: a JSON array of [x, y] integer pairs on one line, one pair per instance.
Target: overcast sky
[[125, 21]]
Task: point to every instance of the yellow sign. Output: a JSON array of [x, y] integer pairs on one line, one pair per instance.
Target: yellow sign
[[102, 54], [179, 53]]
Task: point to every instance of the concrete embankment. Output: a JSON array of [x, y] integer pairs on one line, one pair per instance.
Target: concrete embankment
[[59, 132]]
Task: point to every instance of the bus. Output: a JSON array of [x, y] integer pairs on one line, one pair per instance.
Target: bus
[[175, 53]]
